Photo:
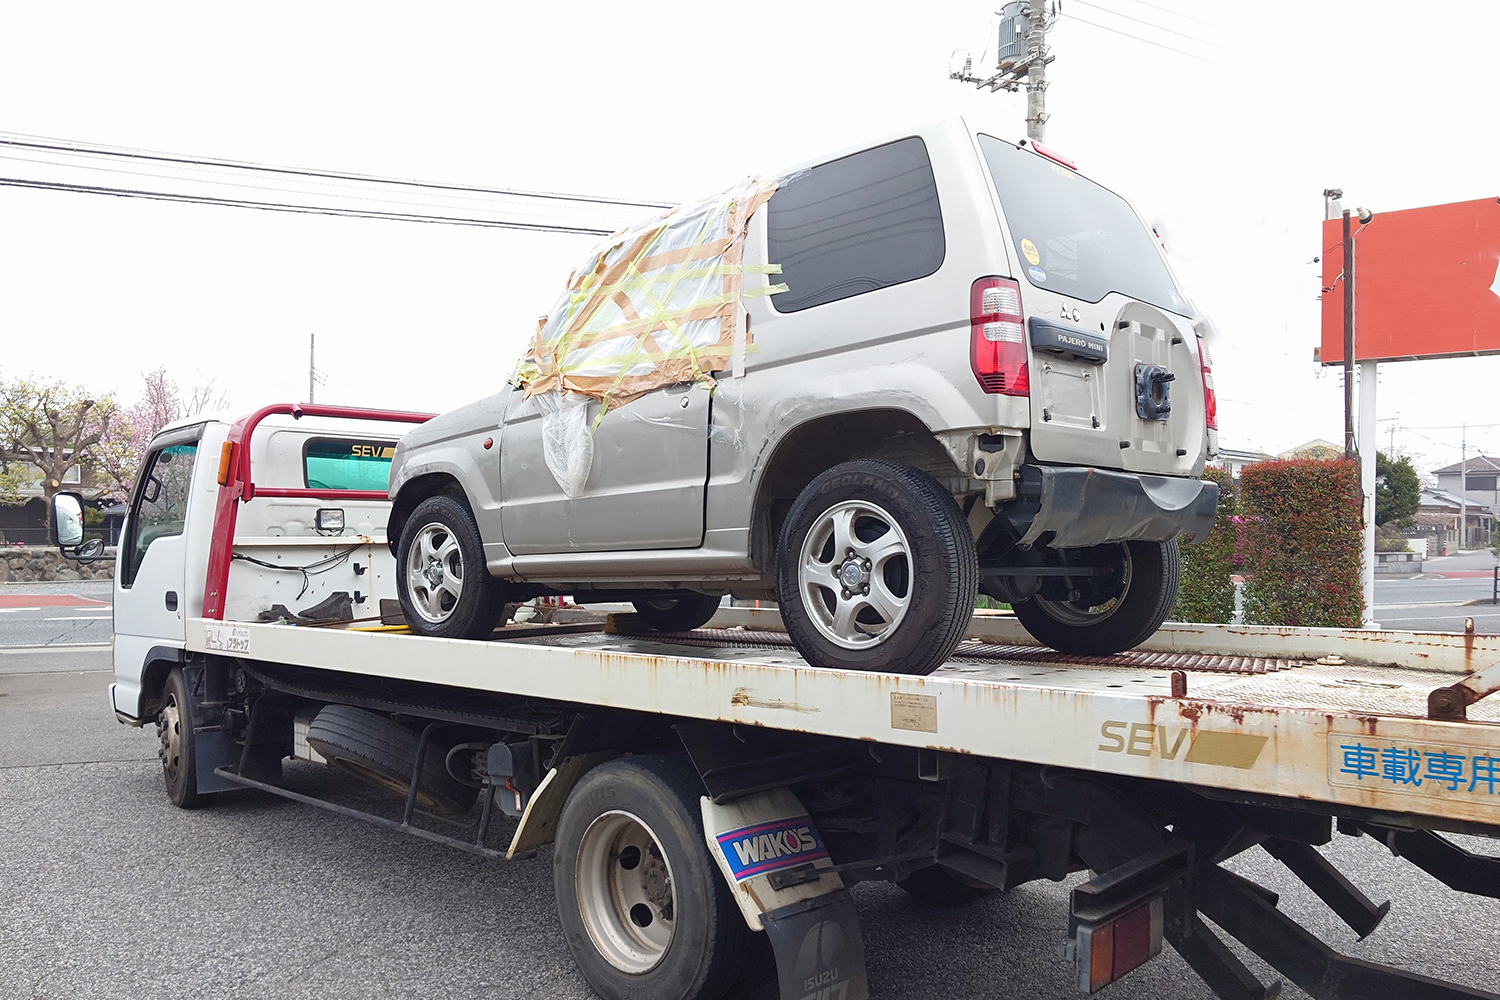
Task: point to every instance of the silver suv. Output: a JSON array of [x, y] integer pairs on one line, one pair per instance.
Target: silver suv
[[940, 365]]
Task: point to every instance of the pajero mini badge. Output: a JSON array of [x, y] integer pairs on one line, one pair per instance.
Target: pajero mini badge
[[766, 847]]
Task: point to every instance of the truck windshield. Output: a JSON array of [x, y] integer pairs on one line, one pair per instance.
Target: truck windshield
[[1073, 236], [342, 464]]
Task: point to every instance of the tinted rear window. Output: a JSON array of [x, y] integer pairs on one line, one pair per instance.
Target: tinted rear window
[[1072, 235], [854, 225], [340, 464]]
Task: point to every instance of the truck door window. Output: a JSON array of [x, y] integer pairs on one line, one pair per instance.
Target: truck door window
[[345, 464], [856, 224], [161, 500]]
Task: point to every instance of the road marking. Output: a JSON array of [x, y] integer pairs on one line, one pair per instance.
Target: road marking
[[8, 610], [70, 648], [81, 618]]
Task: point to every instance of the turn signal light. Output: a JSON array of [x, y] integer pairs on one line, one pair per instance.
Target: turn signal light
[[997, 337], [226, 462], [1210, 401]]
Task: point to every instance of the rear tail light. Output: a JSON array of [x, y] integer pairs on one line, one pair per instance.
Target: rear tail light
[[997, 337], [1210, 401]]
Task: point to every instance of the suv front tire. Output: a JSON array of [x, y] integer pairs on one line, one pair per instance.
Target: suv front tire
[[441, 579]]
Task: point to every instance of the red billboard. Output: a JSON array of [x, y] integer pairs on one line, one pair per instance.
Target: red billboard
[[1425, 283]]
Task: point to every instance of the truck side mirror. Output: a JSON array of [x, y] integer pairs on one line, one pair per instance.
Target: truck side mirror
[[66, 528], [67, 520]]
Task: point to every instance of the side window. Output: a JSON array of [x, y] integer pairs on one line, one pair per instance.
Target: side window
[[854, 225], [341, 464], [161, 500]]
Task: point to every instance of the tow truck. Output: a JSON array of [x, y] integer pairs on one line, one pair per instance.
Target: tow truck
[[709, 798]]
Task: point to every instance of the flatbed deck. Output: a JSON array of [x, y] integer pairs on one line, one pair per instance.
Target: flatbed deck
[[1261, 715]]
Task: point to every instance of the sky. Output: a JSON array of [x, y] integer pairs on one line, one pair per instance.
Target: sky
[[1225, 146]]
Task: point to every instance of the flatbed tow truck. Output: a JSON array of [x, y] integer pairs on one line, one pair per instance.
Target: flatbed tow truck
[[710, 797]]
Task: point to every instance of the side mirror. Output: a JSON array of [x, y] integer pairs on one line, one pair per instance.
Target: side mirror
[[67, 520]]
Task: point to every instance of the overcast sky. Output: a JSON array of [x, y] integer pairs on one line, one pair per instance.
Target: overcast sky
[[1226, 150]]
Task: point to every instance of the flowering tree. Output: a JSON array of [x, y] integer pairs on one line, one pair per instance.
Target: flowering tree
[[46, 428], [119, 458]]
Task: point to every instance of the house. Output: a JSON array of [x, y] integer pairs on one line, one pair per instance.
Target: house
[[1317, 448], [1477, 478], [26, 522], [1438, 516], [1234, 460]]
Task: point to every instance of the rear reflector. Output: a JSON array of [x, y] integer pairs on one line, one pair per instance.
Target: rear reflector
[[1109, 950], [1210, 400], [997, 337]]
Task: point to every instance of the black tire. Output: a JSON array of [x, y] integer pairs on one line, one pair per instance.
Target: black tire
[[475, 611], [676, 612], [938, 886], [940, 575], [1150, 590], [174, 731], [709, 943], [384, 753]]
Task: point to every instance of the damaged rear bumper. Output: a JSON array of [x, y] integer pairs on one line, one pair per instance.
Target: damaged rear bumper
[[1070, 507]]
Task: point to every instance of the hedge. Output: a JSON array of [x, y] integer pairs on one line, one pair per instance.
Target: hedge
[[1304, 541], [1205, 592]]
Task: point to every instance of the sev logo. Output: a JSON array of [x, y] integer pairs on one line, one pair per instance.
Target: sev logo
[[766, 847]]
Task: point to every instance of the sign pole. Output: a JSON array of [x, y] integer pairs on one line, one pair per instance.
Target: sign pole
[[1348, 339], [1367, 446]]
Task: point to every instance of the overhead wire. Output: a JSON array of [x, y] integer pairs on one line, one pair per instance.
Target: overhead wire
[[1148, 41], [1174, 13], [270, 206], [1158, 27], [23, 140]]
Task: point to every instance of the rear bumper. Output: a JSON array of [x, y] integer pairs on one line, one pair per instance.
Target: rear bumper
[[1076, 507]]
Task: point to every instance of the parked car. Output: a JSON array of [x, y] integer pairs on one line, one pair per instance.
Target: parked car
[[936, 365]]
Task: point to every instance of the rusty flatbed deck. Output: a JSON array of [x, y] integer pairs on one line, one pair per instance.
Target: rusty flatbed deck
[[1353, 733]]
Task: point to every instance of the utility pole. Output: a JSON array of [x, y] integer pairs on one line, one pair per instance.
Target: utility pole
[[312, 340], [1021, 54], [1036, 70], [1463, 485], [1348, 339]]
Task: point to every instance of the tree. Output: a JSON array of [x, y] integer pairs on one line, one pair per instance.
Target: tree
[[1398, 491], [122, 452], [47, 428]]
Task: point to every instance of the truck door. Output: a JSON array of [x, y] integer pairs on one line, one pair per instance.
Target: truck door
[[645, 487], [150, 580]]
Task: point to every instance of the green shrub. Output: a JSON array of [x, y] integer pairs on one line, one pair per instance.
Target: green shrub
[[1304, 540], [1205, 592]]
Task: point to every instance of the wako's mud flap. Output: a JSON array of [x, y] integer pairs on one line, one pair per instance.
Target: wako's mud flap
[[777, 866], [819, 952]]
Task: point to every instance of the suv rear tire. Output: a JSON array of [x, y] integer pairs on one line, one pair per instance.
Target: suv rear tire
[[877, 570], [1129, 619], [679, 612], [441, 580]]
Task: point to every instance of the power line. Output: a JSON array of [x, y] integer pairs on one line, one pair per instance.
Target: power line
[[1177, 13], [1158, 27], [47, 143], [271, 206], [1138, 38]]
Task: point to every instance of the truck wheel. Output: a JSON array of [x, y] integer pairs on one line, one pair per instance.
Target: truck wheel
[[444, 587], [384, 753], [940, 887], [1124, 620], [642, 903], [877, 570], [174, 730], [676, 612]]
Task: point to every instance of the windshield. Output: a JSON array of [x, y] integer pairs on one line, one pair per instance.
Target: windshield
[[1072, 235]]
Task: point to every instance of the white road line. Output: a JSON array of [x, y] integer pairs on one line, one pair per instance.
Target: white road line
[[73, 647], [4, 611], [81, 618]]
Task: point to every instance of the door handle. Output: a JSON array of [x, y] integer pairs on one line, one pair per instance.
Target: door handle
[[171, 600]]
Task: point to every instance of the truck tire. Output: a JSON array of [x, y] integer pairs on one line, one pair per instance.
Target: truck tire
[[1125, 621], [384, 753], [643, 906], [174, 731], [676, 612], [877, 570], [441, 580], [938, 886]]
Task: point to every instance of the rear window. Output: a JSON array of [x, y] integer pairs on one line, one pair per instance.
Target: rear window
[[1074, 236], [344, 464], [851, 226]]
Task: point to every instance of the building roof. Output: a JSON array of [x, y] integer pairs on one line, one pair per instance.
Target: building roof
[[1316, 448], [1443, 500], [1479, 463]]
